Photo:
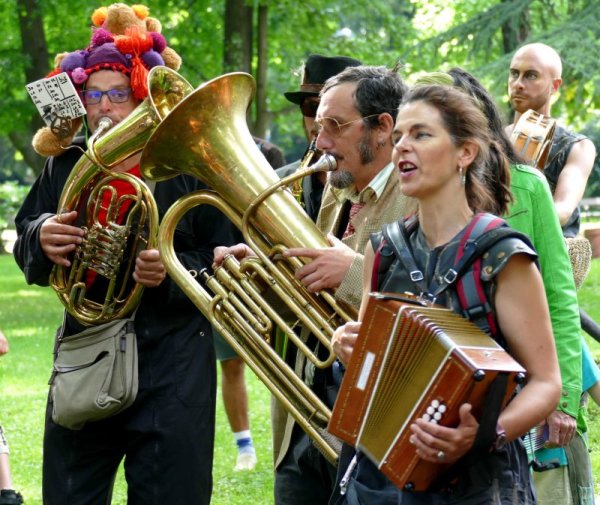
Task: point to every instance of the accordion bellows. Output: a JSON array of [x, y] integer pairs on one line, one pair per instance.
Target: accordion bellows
[[413, 361]]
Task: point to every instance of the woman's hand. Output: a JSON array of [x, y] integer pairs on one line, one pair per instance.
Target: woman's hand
[[343, 340], [439, 444]]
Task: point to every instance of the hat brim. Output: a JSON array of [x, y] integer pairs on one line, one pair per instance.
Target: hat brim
[[297, 96]]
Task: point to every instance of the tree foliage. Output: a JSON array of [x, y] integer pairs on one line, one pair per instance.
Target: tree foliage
[[478, 35]]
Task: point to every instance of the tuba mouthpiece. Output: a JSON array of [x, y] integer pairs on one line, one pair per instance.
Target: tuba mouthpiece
[[104, 124], [326, 163]]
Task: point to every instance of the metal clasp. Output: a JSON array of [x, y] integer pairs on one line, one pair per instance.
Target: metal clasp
[[416, 276], [450, 276]]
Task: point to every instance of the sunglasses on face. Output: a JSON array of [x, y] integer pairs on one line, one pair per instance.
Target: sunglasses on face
[[117, 95], [309, 107], [332, 127]]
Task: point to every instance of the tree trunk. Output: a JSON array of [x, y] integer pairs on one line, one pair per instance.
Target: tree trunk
[[262, 116], [21, 141], [237, 44], [35, 51], [516, 30]]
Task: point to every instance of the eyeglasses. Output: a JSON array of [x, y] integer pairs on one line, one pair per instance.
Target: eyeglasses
[[309, 107], [117, 95], [332, 127]]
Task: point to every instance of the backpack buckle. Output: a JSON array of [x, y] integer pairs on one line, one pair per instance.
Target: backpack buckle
[[416, 276], [428, 298], [450, 276]]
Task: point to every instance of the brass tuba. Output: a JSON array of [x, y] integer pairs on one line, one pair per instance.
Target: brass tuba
[[109, 250], [214, 145]]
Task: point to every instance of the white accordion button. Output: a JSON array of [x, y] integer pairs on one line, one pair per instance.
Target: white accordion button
[[435, 411]]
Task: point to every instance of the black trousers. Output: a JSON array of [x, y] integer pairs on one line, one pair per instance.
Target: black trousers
[[492, 479], [166, 445], [304, 477]]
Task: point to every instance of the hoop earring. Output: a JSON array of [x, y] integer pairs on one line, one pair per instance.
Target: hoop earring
[[463, 177]]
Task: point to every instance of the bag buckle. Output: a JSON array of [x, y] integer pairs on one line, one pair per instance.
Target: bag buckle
[[428, 298], [416, 276], [451, 276]]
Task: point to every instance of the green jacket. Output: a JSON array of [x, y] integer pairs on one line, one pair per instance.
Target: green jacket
[[533, 213]]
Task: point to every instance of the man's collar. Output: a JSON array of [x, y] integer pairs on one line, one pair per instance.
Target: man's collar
[[372, 191]]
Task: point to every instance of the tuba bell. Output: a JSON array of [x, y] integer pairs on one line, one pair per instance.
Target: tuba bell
[[214, 145], [109, 249]]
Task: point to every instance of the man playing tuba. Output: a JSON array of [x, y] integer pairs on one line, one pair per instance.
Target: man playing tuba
[[354, 121], [166, 436]]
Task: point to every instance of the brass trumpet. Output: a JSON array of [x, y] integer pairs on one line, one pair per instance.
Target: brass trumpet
[[109, 250], [214, 145]]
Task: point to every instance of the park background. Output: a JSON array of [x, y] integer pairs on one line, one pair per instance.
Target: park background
[[270, 40]]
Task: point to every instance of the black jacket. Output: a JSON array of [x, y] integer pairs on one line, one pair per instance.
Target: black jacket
[[168, 325]]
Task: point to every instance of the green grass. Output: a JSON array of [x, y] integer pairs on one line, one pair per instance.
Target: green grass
[[29, 316]]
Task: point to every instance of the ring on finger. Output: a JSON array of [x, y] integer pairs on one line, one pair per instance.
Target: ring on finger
[[441, 455]]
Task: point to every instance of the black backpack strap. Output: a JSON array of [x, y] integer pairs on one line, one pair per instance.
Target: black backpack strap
[[395, 236], [483, 233]]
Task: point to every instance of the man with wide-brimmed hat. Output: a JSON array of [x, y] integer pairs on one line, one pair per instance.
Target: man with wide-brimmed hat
[[316, 70], [165, 438], [356, 131]]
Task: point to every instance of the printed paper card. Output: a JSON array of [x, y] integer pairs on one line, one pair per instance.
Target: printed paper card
[[56, 99]]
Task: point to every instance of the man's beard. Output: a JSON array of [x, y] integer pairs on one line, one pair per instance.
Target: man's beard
[[341, 179], [528, 102]]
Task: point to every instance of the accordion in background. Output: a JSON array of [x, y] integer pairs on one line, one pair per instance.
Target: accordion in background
[[532, 138], [413, 360]]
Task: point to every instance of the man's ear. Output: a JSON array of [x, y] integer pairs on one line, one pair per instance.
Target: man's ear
[[556, 82], [467, 153], [386, 123]]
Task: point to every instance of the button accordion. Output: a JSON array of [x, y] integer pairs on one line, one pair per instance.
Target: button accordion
[[414, 360], [532, 138]]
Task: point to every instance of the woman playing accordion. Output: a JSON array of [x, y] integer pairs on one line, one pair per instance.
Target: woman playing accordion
[[445, 156]]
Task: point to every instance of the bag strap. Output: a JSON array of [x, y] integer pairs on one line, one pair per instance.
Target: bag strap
[[395, 235], [483, 232]]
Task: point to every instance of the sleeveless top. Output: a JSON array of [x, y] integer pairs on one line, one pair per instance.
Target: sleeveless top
[[562, 144], [391, 275], [490, 477]]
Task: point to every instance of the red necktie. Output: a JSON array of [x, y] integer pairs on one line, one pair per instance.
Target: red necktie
[[354, 209]]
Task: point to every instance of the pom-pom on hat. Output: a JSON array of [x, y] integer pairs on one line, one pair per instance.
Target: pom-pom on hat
[[124, 39]]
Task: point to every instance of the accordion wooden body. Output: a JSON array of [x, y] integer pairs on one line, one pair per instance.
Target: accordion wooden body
[[532, 138], [413, 360]]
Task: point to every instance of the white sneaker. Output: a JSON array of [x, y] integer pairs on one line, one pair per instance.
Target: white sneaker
[[245, 461]]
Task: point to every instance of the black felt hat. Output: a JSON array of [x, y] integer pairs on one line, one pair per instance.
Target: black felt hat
[[317, 70]]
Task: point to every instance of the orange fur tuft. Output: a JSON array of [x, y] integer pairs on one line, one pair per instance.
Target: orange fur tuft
[[141, 11], [99, 16], [134, 41]]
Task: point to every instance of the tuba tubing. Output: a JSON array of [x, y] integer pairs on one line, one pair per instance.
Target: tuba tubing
[[239, 330], [214, 145], [103, 248]]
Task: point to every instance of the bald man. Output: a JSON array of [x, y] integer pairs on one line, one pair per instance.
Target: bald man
[[534, 78]]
